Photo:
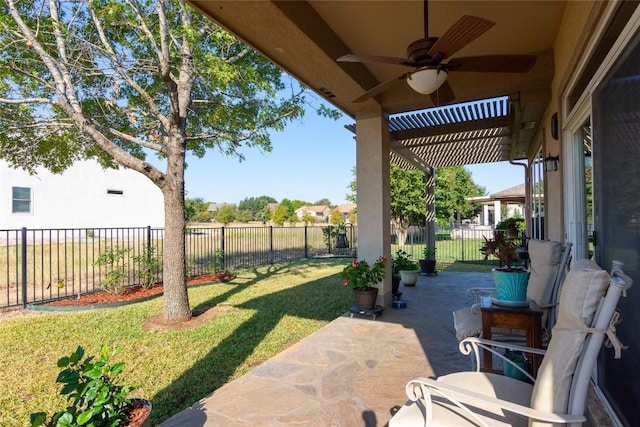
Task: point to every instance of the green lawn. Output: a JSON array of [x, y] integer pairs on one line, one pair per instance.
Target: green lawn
[[259, 314]]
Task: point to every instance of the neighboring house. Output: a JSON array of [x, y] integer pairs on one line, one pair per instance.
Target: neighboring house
[[512, 199], [213, 207], [346, 209], [83, 196], [320, 212]]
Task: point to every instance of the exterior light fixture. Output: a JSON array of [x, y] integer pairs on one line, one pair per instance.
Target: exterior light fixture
[[427, 80], [551, 163]]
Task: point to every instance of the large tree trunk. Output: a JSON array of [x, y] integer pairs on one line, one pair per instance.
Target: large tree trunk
[[176, 298]]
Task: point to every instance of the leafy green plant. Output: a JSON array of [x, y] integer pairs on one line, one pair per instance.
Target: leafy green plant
[[149, 265], [359, 275], [429, 253], [512, 223], [401, 261], [218, 261], [93, 387], [113, 261], [500, 247]]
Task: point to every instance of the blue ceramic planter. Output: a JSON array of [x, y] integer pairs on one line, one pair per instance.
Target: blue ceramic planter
[[511, 285]]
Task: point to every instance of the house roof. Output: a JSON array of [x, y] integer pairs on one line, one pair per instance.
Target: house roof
[[346, 207], [518, 191], [313, 208], [306, 37]]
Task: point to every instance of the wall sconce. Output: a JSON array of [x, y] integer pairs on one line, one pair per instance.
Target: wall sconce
[[551, 163]]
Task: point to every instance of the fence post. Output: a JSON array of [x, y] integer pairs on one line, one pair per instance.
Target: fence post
[[24, 267], [224, 257], [306, 242], [271, 244], [462, 234]]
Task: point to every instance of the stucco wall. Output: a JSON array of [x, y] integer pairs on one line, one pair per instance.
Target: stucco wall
[[78, 198], [567, 48]]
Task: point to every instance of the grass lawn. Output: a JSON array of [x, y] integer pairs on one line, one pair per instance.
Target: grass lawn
[[259, 314]]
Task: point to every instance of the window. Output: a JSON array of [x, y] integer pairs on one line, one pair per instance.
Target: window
[[20, 200], [537, 196]]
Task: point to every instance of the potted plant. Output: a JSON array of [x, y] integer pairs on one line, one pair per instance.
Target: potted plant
[[405, 267], [511, 283], [96, 394], [362, 278], [428, 264], [511, 226]]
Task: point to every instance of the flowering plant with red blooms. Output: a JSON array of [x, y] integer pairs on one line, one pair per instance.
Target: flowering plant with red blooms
[[360, 275]]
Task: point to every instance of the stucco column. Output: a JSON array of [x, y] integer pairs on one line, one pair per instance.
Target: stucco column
[[485, 215], [497, 212], [372, 169]]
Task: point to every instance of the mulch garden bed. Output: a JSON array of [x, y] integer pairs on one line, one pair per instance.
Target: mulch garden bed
[[135, 293]]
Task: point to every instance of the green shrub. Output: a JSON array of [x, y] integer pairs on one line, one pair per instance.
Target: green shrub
[[113, 262], [149, 266], [94, 390]]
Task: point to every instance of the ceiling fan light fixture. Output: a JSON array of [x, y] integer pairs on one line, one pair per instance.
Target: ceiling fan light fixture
[[427, 80]]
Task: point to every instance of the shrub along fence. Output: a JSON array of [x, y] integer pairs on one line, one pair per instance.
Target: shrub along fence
[[39, 265]]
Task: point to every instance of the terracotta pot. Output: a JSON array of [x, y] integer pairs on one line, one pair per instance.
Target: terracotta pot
[[365, 298]]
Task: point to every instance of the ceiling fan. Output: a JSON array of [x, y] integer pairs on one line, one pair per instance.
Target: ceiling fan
[[430, 58]]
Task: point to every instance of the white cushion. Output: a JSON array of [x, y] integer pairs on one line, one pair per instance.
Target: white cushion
[[545, 256], [446, 414], [583, 287], [467, 323]]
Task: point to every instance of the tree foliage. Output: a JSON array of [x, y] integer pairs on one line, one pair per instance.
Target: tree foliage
[[454, 185], [226, 214], [280, 215], [116, 79], [196, 210], [408, 195], [256, 205]]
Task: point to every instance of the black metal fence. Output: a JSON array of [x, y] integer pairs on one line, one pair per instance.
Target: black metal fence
[[47, 264], [455, 243]]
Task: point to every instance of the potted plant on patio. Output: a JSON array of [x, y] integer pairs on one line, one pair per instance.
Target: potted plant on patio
[[362, 278], [511, 226], [97, 396], [511, 282], [406, 268], [428, 264]]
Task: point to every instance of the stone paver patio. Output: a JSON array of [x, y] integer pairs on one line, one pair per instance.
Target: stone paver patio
[[353, 371]]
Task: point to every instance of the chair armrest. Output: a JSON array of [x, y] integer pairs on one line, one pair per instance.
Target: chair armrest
[[473, 344], [422, 388], [476, 292]]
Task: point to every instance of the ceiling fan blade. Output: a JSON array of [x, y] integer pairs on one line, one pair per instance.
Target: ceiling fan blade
[[367, 59], [381, 88], [464, 31], [444, 95], [493, 63]]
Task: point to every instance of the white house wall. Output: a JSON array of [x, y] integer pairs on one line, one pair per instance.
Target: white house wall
[[78, 198]]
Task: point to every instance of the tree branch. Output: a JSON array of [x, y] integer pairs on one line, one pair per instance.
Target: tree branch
[[65, 96], [142, 142], [123, 74], [26, 101]]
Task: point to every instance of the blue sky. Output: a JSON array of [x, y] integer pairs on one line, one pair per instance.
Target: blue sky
[[310, 160]]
